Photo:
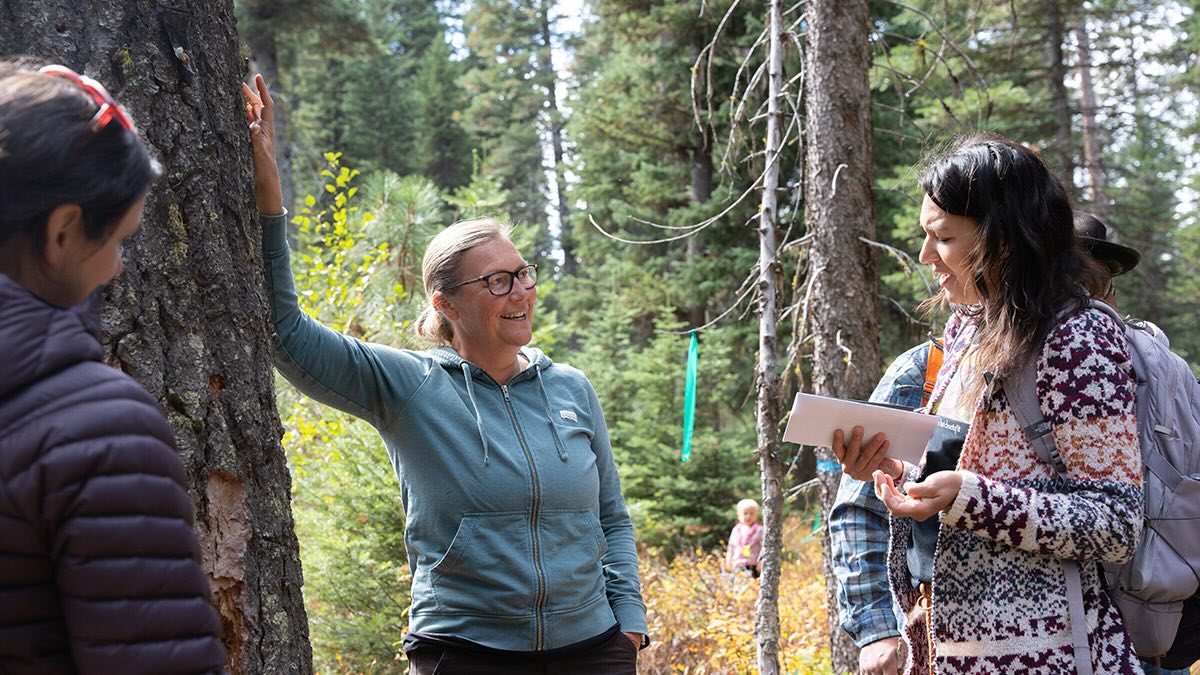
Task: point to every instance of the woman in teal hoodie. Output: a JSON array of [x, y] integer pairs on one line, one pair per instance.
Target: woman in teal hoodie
[[521, 548]]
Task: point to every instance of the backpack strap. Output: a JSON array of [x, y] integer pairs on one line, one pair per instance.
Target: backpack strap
[[1021, 391], [933, 364]]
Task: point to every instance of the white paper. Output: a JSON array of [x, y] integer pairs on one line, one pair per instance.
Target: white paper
[[815, 418]]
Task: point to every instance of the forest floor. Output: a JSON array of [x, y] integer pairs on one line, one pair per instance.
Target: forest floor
[[702, 619]]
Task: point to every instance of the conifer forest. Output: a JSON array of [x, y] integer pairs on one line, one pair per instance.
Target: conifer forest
[[738, 172]]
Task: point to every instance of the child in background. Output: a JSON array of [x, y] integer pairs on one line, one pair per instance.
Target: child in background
[[745, 541]]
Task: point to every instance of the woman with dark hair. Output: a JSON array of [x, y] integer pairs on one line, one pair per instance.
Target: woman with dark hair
[[985, 535], [99, 566]]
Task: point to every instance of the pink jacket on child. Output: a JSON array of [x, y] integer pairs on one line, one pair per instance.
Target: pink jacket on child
[[745, 543]]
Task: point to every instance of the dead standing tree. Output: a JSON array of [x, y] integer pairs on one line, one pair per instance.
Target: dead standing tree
[[187, 318], [768, 408], [780, 109]]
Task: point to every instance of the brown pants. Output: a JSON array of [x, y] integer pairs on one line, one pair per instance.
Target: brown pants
[[615, 656]]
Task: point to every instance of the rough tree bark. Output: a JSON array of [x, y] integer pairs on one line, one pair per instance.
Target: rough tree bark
[[187, 318], [767, 410], [1091, 133], [839, 211]]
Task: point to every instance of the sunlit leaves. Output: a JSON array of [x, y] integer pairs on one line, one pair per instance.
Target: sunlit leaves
[[702, 619]]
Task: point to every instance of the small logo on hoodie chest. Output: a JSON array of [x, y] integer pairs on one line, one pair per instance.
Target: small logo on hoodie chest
[[568, 415]]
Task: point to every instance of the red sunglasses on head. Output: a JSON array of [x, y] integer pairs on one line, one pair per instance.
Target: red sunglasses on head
[[109, 108]]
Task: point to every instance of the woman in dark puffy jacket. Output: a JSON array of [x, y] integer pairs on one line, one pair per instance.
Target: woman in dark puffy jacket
[[99, 568]]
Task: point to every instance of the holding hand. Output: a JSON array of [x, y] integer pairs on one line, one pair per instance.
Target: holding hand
[[879, 657], [924, 499], [859, 462], [260, 116]]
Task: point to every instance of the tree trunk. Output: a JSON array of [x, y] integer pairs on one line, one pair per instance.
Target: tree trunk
[[839, 210], [188, 316], [766, 614], [1091, 138], [1063, 151], [701, 184], [555, 123]]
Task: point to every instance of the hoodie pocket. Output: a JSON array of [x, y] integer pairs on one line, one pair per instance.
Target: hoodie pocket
[[488, 569], [573, 547]]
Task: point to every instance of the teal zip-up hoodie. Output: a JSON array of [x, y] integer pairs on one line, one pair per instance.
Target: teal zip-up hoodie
[[516, 531]]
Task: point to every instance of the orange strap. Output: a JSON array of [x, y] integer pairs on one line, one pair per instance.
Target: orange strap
[[932, 365]]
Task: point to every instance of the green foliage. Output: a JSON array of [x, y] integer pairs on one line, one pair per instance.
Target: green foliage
[[442, 146], [1145, 215], [482, 197], [360, 274], [447, 126], [391, 104], [336, 268], [351, 530], [637, 367], [506, 92], [409, 212], [336, 23]]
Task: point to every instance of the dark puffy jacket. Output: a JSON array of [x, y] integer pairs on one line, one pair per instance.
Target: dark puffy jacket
[[99, 567]]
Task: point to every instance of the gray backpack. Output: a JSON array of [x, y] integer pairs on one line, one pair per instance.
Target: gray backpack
[[1150, 590]]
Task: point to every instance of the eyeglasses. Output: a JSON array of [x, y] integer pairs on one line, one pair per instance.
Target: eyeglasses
[[501, 283], [109, 108]]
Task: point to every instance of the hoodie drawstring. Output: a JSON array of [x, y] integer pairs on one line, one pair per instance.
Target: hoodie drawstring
[[466, 368], [558, 442]]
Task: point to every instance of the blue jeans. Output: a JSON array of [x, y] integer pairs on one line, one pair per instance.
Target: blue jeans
[[1149, 668]]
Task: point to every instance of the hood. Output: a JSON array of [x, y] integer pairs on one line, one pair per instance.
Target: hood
[[538, 361], [38, 339], [451, 359]]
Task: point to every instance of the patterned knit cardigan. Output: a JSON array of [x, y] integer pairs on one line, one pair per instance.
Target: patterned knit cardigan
[[999, 591]]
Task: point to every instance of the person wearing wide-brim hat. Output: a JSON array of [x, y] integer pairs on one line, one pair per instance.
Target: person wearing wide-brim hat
[[1093, 234]]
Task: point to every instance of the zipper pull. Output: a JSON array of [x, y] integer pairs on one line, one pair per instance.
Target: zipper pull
[[504, 389]]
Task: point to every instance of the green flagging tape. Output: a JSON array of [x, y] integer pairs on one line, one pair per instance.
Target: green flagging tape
[[817, 522], [689, 396]]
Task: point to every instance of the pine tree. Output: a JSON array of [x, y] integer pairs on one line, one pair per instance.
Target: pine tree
[[442, 148], [505, 87], [187, 319]]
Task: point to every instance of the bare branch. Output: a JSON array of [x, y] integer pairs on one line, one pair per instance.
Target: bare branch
[[698, 227], [708, 49], [906, 261], [849, 358], [836, 172], [739, 110], [966, 59], [806, 486], [794, 7], [900, 308], [744, 292]]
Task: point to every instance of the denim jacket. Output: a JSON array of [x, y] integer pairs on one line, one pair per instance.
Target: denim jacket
[[858, 522]]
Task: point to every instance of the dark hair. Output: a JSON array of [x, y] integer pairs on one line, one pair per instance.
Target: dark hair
[[1026, 266], [46, 158]]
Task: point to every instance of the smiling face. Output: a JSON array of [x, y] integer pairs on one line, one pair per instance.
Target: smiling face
[[490, 327], [948, 242]]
